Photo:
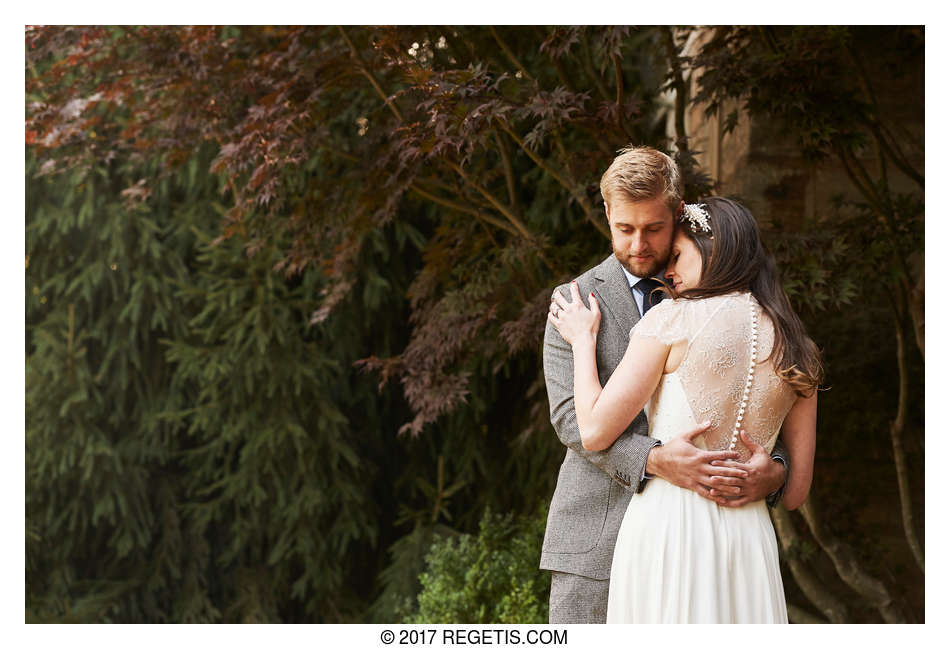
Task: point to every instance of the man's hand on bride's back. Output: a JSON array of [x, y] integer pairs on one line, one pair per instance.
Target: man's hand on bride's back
[[683, 464], [763, 476], [573, 320]]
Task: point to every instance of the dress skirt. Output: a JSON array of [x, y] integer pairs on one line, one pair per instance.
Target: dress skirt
[[680, 558]]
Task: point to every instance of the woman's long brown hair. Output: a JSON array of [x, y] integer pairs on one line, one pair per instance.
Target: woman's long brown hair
[[735, 259]]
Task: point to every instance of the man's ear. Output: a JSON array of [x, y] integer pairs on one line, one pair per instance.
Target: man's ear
[[607, 210]]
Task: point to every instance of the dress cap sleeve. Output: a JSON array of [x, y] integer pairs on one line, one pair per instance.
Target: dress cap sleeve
[[665, 322]]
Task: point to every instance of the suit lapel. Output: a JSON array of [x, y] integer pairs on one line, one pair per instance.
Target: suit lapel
[[613, 291]]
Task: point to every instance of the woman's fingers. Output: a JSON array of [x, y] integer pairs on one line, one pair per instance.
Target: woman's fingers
[[575, 293], [560, 307], [560, 300], [574, 301]]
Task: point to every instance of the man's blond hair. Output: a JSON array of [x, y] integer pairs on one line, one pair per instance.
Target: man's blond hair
[[640, 173]]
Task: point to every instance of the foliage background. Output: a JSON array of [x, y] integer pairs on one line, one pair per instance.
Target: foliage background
[[286, 288]]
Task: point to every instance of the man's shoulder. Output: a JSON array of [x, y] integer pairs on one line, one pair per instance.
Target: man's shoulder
[[586, 279]]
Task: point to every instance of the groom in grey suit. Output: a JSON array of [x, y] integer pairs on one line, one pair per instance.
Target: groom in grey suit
[[642, 190]]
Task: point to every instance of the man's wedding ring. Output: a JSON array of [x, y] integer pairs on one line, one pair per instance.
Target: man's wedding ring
[[555, 310]]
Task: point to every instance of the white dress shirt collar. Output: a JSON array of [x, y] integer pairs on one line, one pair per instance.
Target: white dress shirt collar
[[633, 279]]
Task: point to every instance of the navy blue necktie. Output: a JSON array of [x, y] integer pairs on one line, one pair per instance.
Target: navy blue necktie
[[650, 299]]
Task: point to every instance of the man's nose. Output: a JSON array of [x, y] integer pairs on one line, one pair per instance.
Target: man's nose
[[638, 243]]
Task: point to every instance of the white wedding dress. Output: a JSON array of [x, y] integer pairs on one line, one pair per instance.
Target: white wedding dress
[[680, 557]]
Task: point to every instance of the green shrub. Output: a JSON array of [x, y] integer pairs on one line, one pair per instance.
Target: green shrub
[[491, 577]]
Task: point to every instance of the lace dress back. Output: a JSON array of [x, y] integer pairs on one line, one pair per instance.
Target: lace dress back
[[679, 557], [714, 371]]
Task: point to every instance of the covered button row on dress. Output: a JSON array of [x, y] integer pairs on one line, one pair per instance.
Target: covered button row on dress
[[748, 383]]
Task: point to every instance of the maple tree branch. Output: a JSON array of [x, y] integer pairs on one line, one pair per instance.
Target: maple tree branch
[[559, 143], [882, 134], [618, 74], [514, 220], [597, 138], [562, 75], [880, 202], [458, 190], [888, 141], [872, 101], [575, 192], [511, 55], [438, 491], [464, 208], [860, 178], [579, 195], [369, 75], [588, 66], [435, 182], [534, 156], [509, 173], [229, 178], [879, 130]]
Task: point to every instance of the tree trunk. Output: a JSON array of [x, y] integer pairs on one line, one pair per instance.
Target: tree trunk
[[798, 615], [916, 299], [900, 461], [849, 568], [678, 82], [810, 584]]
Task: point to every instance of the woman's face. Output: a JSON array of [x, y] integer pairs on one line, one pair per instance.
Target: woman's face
[[686, 263]]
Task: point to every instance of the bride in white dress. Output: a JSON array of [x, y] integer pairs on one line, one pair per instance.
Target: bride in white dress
[[730, 350]]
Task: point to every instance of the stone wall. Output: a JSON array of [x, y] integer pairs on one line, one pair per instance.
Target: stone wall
[[760, 165]]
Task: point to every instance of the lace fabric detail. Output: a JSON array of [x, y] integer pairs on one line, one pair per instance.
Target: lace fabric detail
[[663, 322], [715, 368]]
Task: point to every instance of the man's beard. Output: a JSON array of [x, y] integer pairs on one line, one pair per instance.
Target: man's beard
[[653, 266]]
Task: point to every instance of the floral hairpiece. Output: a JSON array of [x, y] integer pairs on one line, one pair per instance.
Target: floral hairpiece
[[697, 216]]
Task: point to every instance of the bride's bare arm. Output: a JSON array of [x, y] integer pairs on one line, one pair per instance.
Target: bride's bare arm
[[604, 413], [798, 431]]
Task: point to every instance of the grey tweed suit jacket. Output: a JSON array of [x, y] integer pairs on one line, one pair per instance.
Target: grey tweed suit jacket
[[593, 487]]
